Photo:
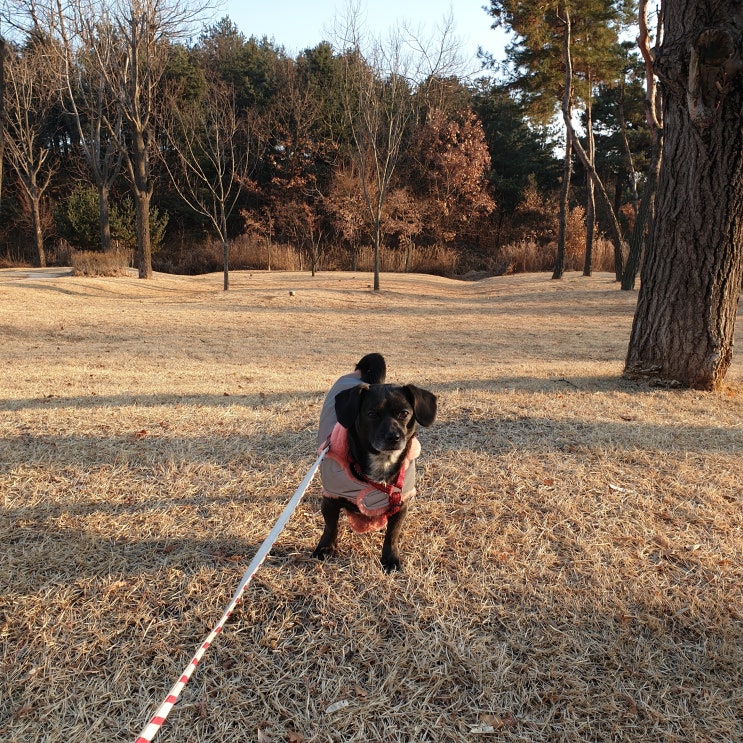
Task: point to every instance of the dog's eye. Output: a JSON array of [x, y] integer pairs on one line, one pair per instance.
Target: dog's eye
[[403, 415], [372, 414]]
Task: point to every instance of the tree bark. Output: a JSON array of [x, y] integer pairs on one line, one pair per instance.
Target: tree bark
[[644, 216], [2, 116], [38, 231], [377, 239], [590, 194], [104, 217], [142, 195], [644, 219], [691, 278], [225, 249], [144, 248], [563, 218], [567, 112]]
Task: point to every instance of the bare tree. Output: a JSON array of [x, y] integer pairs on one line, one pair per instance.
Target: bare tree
[[130, 43], [346, 209], [32, 88], [208, 157], [88, 102], [260, 224], [298, 155], [383, 89]]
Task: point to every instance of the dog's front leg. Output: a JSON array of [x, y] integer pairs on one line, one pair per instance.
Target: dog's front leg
[[390, 553], [331, 509]]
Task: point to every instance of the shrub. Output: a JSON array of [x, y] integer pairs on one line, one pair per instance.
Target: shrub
[[436, 259], [247, 251], [575, 238], [94, 263], [526, 256], [250, 252], [603, 255], [78, 221], [529, 255], [77, 217], [12, 261], [124, 225]]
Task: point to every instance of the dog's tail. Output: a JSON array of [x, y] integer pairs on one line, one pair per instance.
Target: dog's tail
[[373, 368]]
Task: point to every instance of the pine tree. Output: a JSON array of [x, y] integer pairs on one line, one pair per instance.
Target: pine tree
[[561, 51]]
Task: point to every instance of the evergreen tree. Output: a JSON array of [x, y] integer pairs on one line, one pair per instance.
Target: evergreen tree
[[247, 65], [560, 51], [521, 154]]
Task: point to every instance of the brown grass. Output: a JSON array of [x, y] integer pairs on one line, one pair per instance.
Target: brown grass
[[573, 564], [91, 263], [528, 256], [247, 252]]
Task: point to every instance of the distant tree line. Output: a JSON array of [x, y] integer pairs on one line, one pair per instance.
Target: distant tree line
[[118, 129], [121, 129]]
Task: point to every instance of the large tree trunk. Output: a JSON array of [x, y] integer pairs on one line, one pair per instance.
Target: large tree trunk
[[645, 214], [691, 277], [567, 112]]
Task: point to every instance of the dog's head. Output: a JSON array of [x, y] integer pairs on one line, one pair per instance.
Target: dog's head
[[384, 417]]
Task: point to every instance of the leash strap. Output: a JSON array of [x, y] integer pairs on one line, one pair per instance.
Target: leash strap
[[163, 711]]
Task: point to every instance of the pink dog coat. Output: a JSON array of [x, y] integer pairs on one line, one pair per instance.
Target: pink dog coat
[[375, 501]]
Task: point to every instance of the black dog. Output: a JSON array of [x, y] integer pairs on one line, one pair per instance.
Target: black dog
[[370, 468]]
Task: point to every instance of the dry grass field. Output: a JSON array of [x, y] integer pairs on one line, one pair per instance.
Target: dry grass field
[[573, 564]]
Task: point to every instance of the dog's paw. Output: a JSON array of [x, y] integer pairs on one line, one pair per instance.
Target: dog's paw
[[391, 563], [320, 553]]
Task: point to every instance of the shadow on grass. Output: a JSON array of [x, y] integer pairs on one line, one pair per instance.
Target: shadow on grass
[[223, 400], [506, 383]]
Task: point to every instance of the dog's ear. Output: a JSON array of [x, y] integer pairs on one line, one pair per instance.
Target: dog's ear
[[347, 404], [373, 368], [424, 404]]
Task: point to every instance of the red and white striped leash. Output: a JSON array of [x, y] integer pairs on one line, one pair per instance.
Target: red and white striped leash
[[163, 711]]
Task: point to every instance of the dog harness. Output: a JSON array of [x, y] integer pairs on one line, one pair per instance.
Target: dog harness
[[341, 478]]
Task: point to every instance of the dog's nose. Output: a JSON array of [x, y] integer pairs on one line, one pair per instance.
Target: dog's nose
[[393, 437]]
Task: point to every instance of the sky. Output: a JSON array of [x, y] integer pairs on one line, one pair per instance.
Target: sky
[[301, 24]]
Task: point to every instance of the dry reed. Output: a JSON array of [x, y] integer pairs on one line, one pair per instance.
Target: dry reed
[[572, 566], [90, 263]]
